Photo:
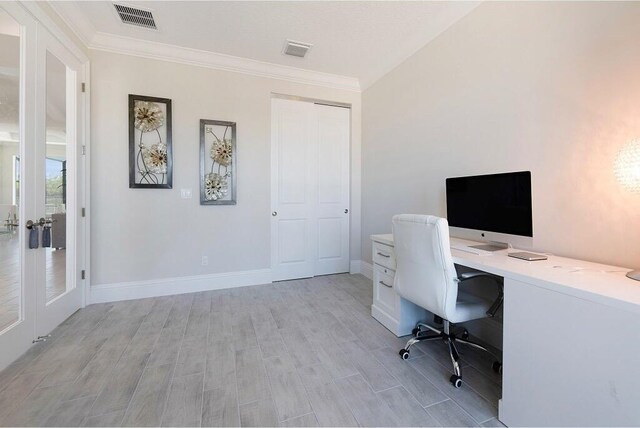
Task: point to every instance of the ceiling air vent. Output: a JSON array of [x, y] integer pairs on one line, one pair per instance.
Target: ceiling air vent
[[298, 49], [133, 16]]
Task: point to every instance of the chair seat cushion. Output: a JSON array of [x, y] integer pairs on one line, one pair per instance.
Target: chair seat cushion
[[470, 307]]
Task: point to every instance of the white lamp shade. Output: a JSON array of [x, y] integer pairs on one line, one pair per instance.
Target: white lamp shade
[[627, 166]]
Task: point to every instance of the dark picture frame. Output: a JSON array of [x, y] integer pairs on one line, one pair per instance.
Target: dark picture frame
[[218, 176], [151, 158]]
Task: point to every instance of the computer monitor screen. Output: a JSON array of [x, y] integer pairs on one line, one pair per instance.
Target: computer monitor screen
[[494, 203]]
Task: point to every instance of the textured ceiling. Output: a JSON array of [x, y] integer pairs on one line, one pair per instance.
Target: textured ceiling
[[364, 40]]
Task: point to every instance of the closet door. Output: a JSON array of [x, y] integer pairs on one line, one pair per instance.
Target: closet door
[[333, 133], [293, 190], [309, 189]]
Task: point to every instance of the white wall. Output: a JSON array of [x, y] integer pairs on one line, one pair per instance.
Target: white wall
[[547, 87], [148, 234]]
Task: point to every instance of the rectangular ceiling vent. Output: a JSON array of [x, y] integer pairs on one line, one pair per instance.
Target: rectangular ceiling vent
[[294, 48], [133, 16]]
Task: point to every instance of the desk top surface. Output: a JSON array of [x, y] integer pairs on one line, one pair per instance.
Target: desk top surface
[[591, 281]]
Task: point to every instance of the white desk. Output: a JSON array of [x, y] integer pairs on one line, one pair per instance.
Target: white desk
[[571, 339]]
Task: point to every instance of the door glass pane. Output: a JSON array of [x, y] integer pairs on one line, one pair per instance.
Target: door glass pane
[[10, 258], [54, 239]]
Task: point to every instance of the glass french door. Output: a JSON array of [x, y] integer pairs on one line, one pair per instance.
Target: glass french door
[[41, 235], [57, 161]]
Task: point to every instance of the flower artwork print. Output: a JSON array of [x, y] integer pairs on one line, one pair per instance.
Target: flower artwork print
[[217, 162], [150, 161]]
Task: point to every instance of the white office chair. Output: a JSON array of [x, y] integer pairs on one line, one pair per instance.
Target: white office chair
[[426, 276]]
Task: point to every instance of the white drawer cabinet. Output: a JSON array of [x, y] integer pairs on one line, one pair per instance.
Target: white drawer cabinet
[[398, 315], [384, 296], [383, 255]]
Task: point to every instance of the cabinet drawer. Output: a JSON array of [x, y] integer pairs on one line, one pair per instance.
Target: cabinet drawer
[[383, 255], [384, 295]]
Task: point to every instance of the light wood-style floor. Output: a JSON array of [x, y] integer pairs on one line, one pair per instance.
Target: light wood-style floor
[[297, 353], [10, 277]]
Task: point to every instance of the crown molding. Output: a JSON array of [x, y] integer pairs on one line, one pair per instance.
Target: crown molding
[[37, 11], [165, 52], [74, 19], [86, 32]]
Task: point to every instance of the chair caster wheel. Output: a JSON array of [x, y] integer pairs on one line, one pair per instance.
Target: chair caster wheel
[[465, 335], [456, 381], [497, 367], [404, 354], [415, 332]]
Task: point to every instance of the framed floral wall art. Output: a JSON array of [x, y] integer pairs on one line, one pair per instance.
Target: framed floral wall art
[[217, 162], [150, 146]]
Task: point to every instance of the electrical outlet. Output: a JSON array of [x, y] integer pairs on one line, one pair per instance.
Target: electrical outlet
[[205, 260], [185, 193]]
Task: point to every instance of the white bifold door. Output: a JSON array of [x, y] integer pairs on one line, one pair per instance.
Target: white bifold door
[[41, 182], [309, 189]]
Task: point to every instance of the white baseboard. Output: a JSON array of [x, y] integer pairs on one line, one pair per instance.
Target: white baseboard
[[168, 286], [366, 269]]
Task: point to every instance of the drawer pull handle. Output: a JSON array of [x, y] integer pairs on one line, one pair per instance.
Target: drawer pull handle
[[383, 254], [386, 285]]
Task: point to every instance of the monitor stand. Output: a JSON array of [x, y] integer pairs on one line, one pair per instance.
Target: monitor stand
[[492, 246]]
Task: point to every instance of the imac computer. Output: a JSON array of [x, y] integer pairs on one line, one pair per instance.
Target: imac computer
[[493, 207]]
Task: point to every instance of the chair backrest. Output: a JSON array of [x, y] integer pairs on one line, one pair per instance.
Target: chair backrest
[[425, 274]]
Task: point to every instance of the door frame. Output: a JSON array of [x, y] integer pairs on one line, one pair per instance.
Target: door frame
[[277, 95]]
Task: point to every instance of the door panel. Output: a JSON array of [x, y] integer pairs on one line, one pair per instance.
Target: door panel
[[333, 129], [58, 295], [292, 190], [17, 275]]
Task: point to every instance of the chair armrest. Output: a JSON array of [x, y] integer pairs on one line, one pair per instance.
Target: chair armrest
[[470, 275]]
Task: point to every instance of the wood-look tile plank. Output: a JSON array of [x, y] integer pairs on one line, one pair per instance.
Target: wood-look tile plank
[[147, 403], [493, 422], [314, 375], [220, 407], [258, 414], [289, 396], [70, 413], [366, 406], [36, 408], [472, 402], [121, 385], [412, 380], [192, 357], [329, 406], [220, 366], [372, 370], [449, 414], [17, 390], [253, 384], [308, 420], [184, 405], [299, 347], [112, 419], [407, 410]]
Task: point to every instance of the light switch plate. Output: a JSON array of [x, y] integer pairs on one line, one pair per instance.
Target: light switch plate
[[185, 193]]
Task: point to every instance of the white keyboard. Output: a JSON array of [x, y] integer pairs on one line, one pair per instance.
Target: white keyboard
[[468, 249]]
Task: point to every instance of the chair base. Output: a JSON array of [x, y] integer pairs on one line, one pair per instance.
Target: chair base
[[450, 339]]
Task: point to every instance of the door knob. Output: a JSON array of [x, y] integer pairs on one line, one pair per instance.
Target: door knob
[[346, 211], [275, 213]]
